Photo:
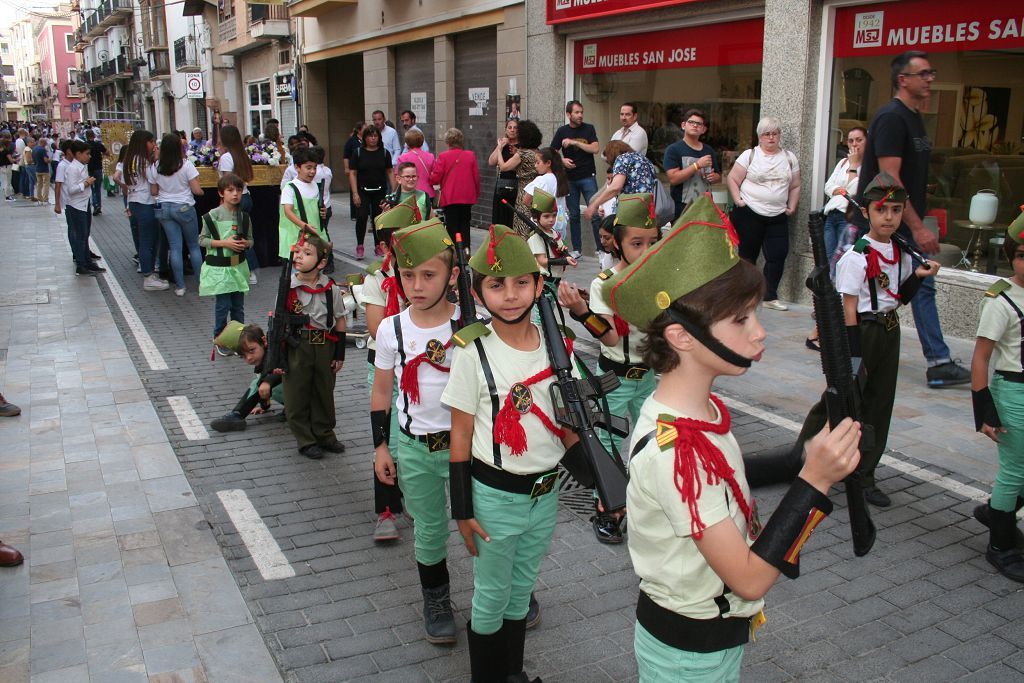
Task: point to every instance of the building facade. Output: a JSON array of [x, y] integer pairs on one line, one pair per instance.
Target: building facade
[[9, 105], [58, 66]]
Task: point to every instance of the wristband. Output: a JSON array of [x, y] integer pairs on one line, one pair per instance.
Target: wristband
[[595, 324], [460, 489], [696, 168], [985, 412], [801, 510], [380, 427], [339, 347]]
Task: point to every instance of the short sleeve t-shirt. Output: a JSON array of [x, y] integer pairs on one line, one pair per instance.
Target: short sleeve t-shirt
[[174, 188], [638, 170], [307, 190], [851, 269], [765, 188], [672, 571], [680, 155], [599, 305], [371, 168], [428, 415], [226, 164], [999, 322], [584, 161], [138, 191], [39, 155], [898, 131]]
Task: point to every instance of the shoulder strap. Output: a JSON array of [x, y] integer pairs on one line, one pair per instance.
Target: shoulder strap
[[299, 205], [1020, 317], [492, 389], [320, 189], [397, 322], [641, 442], [211, 225], [605, 274], [244, 225]]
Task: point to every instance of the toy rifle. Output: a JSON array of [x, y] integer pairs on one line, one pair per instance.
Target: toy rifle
[[557, 246], [843, 377], [572, 400], [464, 283], [282, 325]]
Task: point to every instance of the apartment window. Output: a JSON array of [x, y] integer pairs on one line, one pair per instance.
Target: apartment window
[[284, 57], [227, 9], [73, 76], [260, 106], [154, 26], [69, 42]]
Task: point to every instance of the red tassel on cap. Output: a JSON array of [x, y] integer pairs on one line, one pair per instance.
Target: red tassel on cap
[[730, 229], [491, 257], [654, 215], [416, 212]]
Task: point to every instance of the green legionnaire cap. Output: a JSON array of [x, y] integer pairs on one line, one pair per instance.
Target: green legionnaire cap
[[700, 247], [229, 336], [401, 215], [884, 188], [419, 243], [543, 202], [322, 246], [1016, 230], [636, 211], [504, 254]]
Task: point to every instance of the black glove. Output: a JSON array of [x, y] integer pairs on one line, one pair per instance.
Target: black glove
[[595, 324], [460, 483], [985, 412], [339, 347], [779, 543], [380, 426]]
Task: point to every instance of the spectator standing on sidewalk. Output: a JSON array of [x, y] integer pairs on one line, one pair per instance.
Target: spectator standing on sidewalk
[[19, 150], [691, 165], [6, 161], [456, 171], [370, 177], [630, 171], [141, 155], [506, 186], [28, 171], [898, 144], [408, 119], [174, 181], [41, 161], [353, 143], [96, 169], [632, 133], [577, 141], [524, 161], [388, 136]]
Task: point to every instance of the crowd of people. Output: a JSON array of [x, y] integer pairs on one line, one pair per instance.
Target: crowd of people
[[463, 421]]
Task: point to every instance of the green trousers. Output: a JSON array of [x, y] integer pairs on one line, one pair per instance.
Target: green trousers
[[661, 663], [627, 399], [505, 570], [881, 354], [276, 393], [424, 482], [1009, 484], [309, 392]]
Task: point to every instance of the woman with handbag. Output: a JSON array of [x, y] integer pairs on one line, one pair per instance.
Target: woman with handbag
[[458, 174], [423, 161], [506, 186]]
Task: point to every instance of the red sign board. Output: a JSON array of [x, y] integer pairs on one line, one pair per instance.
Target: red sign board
[[737, 42], [930, 25], [560, 11]]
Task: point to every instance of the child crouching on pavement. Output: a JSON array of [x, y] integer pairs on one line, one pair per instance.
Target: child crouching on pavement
[[320, 353], [703, 558], [249, 342], [999, 406], [226, 234]]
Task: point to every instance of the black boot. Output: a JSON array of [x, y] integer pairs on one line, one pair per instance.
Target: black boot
[[780, 465], [438, 619], [1001, 552], [486, 656], [607, 526], [981, 514], [515, 644]]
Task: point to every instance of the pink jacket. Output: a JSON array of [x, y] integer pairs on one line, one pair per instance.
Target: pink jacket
[[459, 176], [424, 161]]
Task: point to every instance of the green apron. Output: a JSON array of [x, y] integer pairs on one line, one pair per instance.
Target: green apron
[[287, 232], [224, 271]]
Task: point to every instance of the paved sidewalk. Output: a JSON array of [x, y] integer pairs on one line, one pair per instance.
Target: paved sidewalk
[[924, 605], [123, 580]]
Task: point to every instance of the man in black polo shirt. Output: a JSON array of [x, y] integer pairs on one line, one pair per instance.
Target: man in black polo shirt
[[578, 143], [898, 144], [96, 169]]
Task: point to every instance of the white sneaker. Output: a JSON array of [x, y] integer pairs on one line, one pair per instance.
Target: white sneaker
[[179, 291], [154, 284], [252, 278], [775, 305]]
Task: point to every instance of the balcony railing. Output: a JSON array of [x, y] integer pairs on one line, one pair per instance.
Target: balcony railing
[[268, 21], [227, 29], [123, 66], [186, 57], [159, 63]]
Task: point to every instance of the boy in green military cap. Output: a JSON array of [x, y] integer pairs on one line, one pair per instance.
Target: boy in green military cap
[[692, 518], [414, 354], [875, 277], [505, 449], [249, 342], [999, 405], [635, 229], [380, 297], [300, 204], [546, 245], [226, 234]]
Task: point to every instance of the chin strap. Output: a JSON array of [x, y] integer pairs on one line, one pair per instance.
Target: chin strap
[[716, 347]]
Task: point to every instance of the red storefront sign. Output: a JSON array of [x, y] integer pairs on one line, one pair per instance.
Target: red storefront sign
[[736, 42], [929, 25], [560, 11]]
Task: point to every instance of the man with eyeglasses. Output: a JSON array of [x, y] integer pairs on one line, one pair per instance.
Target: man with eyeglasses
[[898, 144], [577, 141], [691, 165]]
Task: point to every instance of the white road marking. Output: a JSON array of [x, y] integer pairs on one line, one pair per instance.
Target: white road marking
[[951, 485], [153, 356], [265, 551], [187, 418]]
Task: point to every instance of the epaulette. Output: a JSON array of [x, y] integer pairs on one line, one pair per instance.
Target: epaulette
[[861, 245], [997, 288], [467, 334], [605, 274], [374, 267], [666, 434]]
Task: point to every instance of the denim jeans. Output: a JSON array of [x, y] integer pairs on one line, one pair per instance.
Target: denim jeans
[[78, 234], [231, 302], [250, 253], [144, 216], [926, 316], [97, 187], [588, 188], [28, 181], [181, 223]]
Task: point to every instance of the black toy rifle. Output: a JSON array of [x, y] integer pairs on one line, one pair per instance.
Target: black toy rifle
[[464, 283], [843, 378], [571, 398], [556, 244], [282, 325]]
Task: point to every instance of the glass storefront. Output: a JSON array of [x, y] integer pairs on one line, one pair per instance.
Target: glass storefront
[[975, 117], [714, 67]]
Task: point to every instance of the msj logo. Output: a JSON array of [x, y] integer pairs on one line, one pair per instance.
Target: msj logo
[[563, 4], [867, 29], [590, 56]]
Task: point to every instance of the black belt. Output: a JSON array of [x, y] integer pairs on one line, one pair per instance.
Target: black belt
[[371, 355], [1017, 377], [691, 635], [634, 372], [317, 337], [215, 260], [890, 319], [435, 441], [526, 484]]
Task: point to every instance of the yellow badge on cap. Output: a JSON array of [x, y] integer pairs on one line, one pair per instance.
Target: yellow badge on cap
[[446, 242], [663, 299]]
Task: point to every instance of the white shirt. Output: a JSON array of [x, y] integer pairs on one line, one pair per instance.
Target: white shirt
[[765, 188], [840, 178], [389, 140], [226, 164], [307, 190], [322, 173], [74, 192], [19, 151], [599, 305], [999, 322], [635, 136], [62, 169], [139, 192], [405, 146], [428, 415], [851, 270], [174, 189]]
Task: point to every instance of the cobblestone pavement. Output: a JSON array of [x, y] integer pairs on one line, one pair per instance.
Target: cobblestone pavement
[[924, 605]]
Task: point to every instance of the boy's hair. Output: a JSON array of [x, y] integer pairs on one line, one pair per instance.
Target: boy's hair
[[251, 334], [732, 292], [77, 147], [64, 146], [618, 231], [404, 165], [478, 282], [1009, 249], [322, 247], [319, 154], [230, 180], [303, 155]]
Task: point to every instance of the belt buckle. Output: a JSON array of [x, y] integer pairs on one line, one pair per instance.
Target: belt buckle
[[636, 373], [545, 484], [316, 337], [438, 441], [892, 320]]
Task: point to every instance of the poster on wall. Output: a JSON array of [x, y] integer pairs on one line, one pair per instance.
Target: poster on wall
[[983, 116], [512, 110], [418, 106], [480, 99]]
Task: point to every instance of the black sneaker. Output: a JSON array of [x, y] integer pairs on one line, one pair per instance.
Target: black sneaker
[[97, 212], [312, 451], [533, 613], [94, 256], [947, 375], [96, 269], [332, 446], [232, 422], [79, 270], [438, 620], [877, 497], [135, 259], [607, 528]]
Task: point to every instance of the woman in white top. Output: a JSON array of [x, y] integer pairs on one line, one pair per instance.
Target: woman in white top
[[133, 177], [173, 181], [765, 187], [840, 185], [552, 179], [233, 159]]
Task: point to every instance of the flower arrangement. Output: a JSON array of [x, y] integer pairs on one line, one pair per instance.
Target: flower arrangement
[[264, 153], [203, 156]]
